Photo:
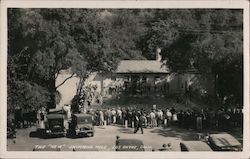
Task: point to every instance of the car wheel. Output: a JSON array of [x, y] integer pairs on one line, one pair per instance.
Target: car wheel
[[33, 134], [45, 136]]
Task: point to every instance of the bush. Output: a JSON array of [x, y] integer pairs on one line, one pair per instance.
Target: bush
[[27, 95]]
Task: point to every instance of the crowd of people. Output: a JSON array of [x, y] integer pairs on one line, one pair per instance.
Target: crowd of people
[[195, 119], [199, 119]]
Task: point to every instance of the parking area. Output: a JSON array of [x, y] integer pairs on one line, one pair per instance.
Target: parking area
[[105, 137]]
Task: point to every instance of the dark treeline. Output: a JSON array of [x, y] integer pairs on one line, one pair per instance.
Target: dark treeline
[[42, 42]]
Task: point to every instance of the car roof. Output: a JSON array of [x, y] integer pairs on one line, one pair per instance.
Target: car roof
[[224, 140], [82, 115], [55, 116], [196, 146]]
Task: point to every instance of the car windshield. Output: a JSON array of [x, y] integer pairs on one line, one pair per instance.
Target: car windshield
[[53, 122], [84, 120]]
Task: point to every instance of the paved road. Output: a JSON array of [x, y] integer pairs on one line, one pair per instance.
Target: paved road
[[104, 139]]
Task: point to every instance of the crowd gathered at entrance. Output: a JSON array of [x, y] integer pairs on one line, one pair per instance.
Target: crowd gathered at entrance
[[221, 119], [131, 117]]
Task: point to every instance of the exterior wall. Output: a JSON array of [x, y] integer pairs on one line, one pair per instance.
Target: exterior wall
[[147, 83], [67, 90], [101, 82]]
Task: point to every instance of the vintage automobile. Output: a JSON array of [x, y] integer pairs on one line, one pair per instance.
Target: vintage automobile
[[129, 145], [81, 125], [54, 125], [194, 146], [224, 142]]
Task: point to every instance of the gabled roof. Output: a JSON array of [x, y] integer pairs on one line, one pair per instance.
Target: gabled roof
[[141, 66]]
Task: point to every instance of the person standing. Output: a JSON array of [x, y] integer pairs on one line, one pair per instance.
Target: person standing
[[144, 120], [175, 119], [42, 118], [101, 117], [119, 116], [18, 116], [199, 121], [124, 116], [130, 116], [172, 110], [160, 117], [157, 116], [139, 120], [113, 112], [169, 116], [187, 119], [109, 114], [180, 116], [152, 118], [38, 117], [136, 122]]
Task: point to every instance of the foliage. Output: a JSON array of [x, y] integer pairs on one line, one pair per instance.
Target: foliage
[[210, 41], [27, 95], [42, 42]]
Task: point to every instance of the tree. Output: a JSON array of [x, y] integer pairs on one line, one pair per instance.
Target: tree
[[221, 50], [42, 42], [50, 48], [208, 40]]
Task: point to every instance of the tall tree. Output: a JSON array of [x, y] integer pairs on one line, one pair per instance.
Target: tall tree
[[209, 40], [42, 42]]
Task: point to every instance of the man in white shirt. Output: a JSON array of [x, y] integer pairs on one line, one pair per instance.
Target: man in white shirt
[[152, 118], [119, 115], [113, 113]]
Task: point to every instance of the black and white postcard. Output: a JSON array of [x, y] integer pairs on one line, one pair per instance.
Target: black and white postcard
[[153, 79]]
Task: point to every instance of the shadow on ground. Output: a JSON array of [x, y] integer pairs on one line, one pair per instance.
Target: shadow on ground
[[126, 130], [181, 134]]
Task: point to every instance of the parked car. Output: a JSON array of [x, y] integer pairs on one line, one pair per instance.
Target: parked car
[[224, 142], [194, 146], [129, 145], [81, 124], [55, 125]]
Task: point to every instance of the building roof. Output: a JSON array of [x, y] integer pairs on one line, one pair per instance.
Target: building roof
[[141, 66]]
